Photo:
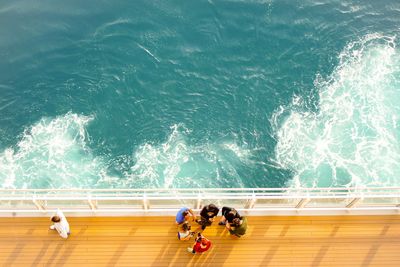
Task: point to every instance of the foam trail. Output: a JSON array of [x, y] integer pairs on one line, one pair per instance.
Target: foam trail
[[176, 163], [352, 140], [51, 154]]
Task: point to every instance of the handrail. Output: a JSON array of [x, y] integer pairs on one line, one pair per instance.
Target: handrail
[[258, 192], [197, 189], [166, 199]]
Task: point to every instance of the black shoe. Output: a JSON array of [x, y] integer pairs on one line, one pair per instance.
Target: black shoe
[[221, 223]]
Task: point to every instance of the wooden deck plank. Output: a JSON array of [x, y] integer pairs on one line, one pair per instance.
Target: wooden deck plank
[[151, 241]]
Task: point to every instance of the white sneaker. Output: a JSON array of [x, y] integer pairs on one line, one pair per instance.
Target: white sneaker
[[52, 227], [190, 250]]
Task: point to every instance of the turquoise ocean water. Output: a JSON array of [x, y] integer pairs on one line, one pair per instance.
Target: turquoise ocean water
[[142, 94]]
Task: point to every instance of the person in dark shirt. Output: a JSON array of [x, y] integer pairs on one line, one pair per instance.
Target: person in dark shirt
[[228, 214], [207, 215]]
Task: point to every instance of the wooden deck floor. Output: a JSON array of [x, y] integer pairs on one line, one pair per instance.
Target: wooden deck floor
[[151, 241]]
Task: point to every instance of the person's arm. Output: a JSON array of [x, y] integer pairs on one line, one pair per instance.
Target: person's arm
[[232, 230], [215, 213], [187, 237], [207, 243], [193, 216]]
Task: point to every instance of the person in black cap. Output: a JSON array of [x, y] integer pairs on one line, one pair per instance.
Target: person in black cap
[[228, 214], [207, 215]]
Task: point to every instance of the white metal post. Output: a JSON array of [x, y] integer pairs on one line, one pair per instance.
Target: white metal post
[[145, 202], [302, 203], [353, 203], [198, 202], [251, 202], [37, 203], [92, 203]]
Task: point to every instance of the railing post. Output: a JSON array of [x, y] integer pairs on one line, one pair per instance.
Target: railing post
[[353, 202], [251, 202], [198, 201], [92, 204], [145, 202], [38, 203], [302, 203]]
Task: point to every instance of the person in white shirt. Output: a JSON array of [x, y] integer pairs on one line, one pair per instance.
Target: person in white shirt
[[184, 232], [60, 224]]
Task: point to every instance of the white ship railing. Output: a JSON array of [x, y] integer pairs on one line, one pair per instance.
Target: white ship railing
[[169, 200]]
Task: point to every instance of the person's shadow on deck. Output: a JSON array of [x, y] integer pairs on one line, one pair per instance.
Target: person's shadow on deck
[[18, 249]]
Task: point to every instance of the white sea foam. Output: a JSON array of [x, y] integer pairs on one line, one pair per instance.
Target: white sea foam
[[353, 139], [177, 163], [52, 153]]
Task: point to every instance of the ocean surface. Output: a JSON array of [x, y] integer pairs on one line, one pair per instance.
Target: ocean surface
[[177, 94]]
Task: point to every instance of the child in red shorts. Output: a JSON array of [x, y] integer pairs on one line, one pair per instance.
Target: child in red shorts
[[201, 245]]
